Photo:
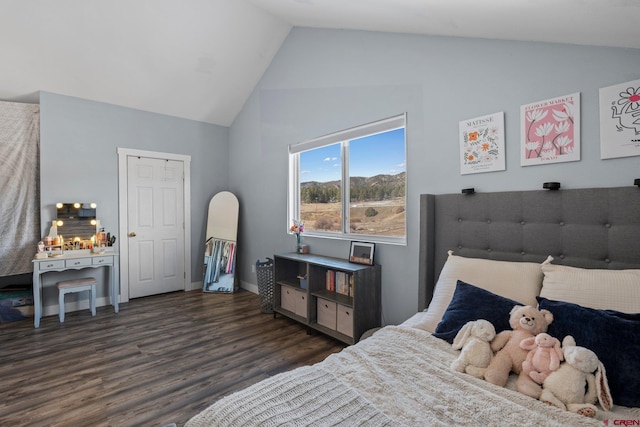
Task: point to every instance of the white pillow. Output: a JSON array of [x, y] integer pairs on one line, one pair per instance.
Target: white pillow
[[519, 281], [600, 289]]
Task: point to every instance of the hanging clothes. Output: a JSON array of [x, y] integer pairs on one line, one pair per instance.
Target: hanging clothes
[[219, 263]]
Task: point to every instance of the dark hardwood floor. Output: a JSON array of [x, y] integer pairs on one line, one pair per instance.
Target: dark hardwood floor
[[162, 359]]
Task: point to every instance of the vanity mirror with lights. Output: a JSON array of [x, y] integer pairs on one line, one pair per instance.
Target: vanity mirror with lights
[[76, 221], [76, 227]]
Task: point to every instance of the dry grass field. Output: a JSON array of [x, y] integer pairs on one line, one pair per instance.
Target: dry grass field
[[389, 220]]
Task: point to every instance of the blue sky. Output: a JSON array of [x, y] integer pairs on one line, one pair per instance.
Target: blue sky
[[382, 153]]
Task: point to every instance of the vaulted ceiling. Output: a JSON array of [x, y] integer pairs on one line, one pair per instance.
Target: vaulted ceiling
[[201, 59]]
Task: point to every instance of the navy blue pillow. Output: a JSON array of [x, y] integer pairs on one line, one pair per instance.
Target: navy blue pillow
[[472, 303], [612, 335]]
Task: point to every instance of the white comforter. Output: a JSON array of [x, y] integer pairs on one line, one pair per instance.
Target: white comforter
[[398, 377]]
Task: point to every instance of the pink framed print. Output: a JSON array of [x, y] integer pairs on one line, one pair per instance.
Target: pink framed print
[[550, 131]]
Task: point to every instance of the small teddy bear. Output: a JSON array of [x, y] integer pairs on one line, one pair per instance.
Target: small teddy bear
[[474, 339], [526, 322], [574, 386], [544, 356]]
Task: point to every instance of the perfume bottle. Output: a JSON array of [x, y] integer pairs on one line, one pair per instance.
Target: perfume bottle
[[101, 237], [53, 231]]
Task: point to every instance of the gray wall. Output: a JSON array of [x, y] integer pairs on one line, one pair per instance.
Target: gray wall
[[322, 81], [79, 162]]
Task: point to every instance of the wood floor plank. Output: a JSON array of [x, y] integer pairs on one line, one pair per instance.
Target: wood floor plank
[[162, 359]]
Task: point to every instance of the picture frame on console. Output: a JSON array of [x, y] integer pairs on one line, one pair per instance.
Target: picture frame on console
[[362, 253]]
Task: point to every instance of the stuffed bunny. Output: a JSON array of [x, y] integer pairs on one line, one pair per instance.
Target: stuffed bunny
[[474, 339], [544, 356], [574, 386]]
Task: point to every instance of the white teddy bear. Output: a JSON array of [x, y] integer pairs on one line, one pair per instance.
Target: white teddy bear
[[474, 339], [574, 386]]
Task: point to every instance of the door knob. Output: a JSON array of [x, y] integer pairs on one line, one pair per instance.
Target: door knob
[[132, 234]]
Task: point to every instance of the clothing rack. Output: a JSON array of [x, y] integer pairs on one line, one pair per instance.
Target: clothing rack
[[219, 261]]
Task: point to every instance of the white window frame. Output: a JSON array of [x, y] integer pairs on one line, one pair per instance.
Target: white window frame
[[343, 137]]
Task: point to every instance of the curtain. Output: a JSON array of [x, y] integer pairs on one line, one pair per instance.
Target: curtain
[[19, 186]]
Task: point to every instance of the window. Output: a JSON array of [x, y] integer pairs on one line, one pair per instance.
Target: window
[[352, 184]]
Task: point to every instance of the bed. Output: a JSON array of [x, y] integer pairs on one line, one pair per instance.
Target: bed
[[576, 252]]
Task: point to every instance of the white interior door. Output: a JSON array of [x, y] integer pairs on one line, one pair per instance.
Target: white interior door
[[155, 200]]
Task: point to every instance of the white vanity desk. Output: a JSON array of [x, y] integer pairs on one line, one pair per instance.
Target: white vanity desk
[[75, 260]]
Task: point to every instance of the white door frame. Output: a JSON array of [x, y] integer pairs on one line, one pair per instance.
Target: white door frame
[[123, 210]]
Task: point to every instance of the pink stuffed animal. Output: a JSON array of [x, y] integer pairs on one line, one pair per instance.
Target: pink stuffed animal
[[543, 358]]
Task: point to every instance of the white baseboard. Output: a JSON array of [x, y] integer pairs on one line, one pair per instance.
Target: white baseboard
[[50, 310], [194, 286], [249, 286]]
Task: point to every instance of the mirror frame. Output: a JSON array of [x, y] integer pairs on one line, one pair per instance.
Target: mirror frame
[[78, 219]]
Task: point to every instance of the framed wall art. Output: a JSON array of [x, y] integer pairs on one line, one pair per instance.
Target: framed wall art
[[482, 144], [620, 120], [361, 253], [550, 131]]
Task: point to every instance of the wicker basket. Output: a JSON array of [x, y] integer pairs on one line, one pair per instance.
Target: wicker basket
[[264, 271]]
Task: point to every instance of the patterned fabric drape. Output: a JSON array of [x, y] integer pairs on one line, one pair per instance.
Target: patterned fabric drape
[[19, 186]]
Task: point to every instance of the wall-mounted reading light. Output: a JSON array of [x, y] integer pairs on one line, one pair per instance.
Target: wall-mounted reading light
[[468, 190], [636, 182], [551, 185]]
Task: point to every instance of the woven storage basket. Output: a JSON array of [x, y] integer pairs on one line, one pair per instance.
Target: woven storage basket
[[264, 271]]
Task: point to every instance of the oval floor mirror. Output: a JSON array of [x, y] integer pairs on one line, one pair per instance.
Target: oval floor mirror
[[220, 247]]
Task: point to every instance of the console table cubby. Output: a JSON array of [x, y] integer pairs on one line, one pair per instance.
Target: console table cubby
[[336, 297]]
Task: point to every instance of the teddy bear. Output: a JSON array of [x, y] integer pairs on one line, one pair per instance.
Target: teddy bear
[[474, 339], [526, 322], [574, 386], [544, 356]]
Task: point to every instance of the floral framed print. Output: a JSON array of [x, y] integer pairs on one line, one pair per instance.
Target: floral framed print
[[550, 131], [482, 144], [620, 120], [361, 253]]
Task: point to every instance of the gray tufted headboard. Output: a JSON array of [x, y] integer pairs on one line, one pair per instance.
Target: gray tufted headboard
[[589, 228]]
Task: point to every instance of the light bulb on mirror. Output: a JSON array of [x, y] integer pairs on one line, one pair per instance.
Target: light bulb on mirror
[[59, 205]]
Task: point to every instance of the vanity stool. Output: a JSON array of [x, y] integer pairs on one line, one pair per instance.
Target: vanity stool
[[77, 285]]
